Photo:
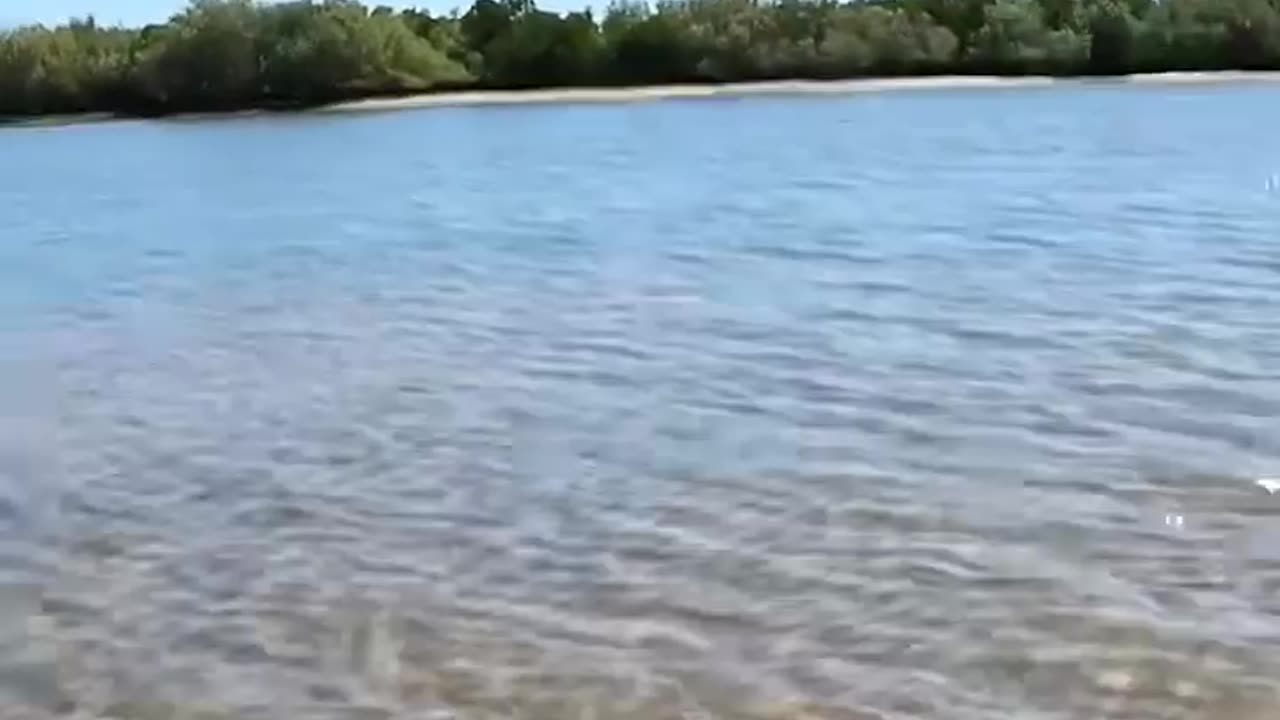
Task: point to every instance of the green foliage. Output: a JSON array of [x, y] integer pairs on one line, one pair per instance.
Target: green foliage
[[1013, 36], [222, 54], [964, 18], [861, 40], [324, 52], [205, 57], [644, 46], [1112, 38], [529, 47], [64, 70]]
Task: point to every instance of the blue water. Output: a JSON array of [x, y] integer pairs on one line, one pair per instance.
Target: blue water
[[940, 404]]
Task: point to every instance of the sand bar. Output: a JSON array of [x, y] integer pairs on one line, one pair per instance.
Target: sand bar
[[662, 92], [779, 87]]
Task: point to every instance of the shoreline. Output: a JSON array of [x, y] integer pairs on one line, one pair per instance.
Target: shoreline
[[649, 93], [646, 93]]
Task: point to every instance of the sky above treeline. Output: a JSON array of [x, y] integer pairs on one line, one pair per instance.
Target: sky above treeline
[[142, 12], [133, 12]]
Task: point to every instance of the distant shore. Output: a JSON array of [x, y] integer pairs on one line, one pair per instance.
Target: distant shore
[[643, 93], [778, 87]]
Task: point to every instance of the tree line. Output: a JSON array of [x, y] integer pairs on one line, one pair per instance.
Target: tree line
[[229, 54]]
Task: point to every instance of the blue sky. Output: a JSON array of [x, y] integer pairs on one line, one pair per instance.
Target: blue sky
[[132, 12]]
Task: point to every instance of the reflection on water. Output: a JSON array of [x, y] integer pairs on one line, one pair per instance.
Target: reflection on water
[[925, 405]]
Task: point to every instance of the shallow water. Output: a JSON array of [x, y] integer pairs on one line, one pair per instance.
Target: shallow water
[[912, 405]]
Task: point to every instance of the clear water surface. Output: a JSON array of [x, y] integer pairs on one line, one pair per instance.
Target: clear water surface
[[940, 405]]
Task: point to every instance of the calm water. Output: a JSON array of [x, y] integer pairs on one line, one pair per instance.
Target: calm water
[[929, 405]]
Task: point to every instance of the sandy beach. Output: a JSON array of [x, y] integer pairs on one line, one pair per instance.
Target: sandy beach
[[648, 93], [779, 87]]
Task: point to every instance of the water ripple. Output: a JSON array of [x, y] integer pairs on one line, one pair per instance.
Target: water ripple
[[931, 405]]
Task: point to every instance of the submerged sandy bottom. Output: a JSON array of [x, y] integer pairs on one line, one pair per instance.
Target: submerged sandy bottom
[[921, 405]]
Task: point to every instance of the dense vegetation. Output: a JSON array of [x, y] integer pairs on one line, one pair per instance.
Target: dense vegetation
[[222, 54]]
